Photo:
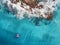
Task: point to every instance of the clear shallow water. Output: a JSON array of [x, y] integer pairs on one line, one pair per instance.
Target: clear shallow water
[[29, 33]]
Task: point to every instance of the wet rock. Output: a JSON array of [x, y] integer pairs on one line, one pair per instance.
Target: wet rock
[[32, 3]]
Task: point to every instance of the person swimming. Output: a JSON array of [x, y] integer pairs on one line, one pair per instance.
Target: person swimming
[[17, 35]]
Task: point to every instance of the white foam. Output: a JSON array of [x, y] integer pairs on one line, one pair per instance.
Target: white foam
[[35, 11]]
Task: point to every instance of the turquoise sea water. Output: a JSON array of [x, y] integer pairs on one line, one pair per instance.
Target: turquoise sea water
[[30, 34]]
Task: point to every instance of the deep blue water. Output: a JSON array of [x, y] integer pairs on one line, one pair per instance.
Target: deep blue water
[[30, 34]]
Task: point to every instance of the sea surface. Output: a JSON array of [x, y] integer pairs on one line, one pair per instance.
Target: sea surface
[[46, 33]]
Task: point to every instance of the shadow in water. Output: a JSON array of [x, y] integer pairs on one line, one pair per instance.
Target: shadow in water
[[46, 40]]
